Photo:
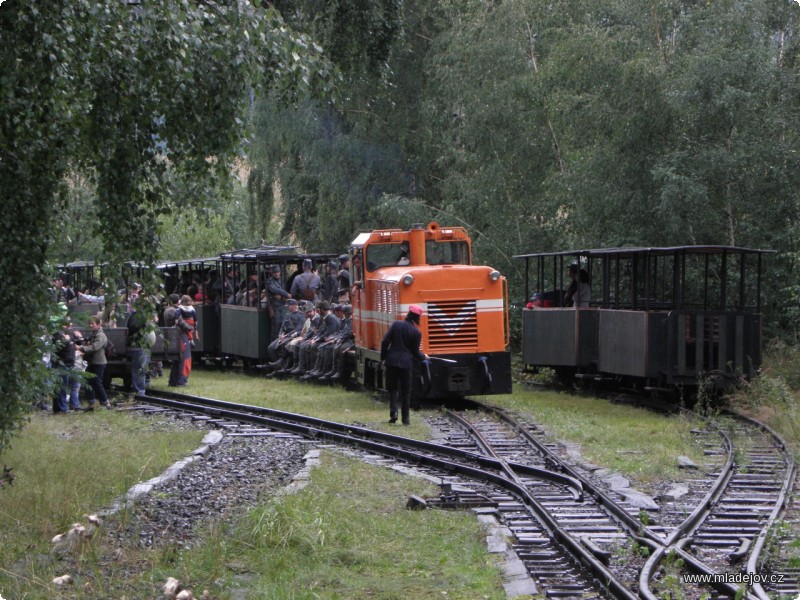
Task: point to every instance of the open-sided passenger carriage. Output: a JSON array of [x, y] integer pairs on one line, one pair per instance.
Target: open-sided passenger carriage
[[658, 318], [246, 331], [178, 277]]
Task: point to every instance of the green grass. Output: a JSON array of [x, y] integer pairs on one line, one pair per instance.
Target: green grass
[[639, 443], [347, 535], [66, 466], [772, 400], [325, 402]]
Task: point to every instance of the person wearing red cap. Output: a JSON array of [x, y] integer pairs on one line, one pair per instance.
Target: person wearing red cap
[[399, 347]]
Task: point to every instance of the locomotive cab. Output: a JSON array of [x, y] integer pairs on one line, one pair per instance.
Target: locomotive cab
[[464, 323]]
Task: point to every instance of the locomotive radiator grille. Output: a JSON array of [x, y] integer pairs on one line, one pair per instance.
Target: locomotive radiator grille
[[452, 324]]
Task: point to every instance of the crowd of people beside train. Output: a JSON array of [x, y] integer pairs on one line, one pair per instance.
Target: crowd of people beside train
[[311, 330], [78, 357], [311, 324]]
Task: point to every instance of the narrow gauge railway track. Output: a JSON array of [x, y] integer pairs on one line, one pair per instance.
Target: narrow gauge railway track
[[581, 518], [757, 484], [577, 554], [596, 521], [784, 559], [729, 526], [539, 540]]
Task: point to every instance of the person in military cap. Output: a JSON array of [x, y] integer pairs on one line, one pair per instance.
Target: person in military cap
[[399, 347], [325, 345], [277, 296], [308, 348], [290, 328], [309, 330], [344, 278], [335, 363], [330, 282]]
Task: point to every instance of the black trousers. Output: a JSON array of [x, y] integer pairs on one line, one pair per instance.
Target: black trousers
[[398, 383], [96, 389]]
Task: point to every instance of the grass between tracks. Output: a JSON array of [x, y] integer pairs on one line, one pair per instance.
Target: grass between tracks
[[774, 396], [348, 534], [637, 442]]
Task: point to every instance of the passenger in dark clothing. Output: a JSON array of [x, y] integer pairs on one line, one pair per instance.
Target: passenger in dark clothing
[[290, 328], [399, 348], [277, 296], [63, 362], [329, 289], [141, 337], [343, 278], [171, 315]]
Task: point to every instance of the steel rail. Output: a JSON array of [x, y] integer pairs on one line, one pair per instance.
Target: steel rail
[[578, 548], [635, 527], [314, 428], [633, 524], [780, 506], [677, 538], [390, 445], [278, 418]]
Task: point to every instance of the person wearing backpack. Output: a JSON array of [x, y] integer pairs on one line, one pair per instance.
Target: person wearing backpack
[[306, 285], [94, 351]]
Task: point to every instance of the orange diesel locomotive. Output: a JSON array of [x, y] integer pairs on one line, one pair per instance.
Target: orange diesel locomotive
[[464, 323]]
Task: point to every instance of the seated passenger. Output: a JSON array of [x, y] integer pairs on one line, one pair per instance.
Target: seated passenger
[[535, 301]]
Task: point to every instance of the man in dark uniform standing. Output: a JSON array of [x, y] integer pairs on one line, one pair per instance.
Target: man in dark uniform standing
[[399, 348]]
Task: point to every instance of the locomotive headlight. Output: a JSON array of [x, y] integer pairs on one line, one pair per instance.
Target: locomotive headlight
[[494, 275], [408, 279]]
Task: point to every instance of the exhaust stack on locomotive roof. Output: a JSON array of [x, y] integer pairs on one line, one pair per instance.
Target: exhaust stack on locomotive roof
[[464, 320]]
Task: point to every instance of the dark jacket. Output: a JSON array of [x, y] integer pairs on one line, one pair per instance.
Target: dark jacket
[[136, 329], [292, 322], [330, 288], [64, 355], [401, 345], [329, 326], [277, 294]]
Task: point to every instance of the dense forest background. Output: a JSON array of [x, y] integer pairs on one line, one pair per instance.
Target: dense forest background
[[537, 125], [183, 129]]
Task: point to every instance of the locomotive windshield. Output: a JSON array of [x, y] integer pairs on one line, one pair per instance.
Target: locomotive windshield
[[397, 254], [386, 255], [446, 253]]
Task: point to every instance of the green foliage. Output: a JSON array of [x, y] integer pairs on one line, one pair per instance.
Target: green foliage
[[328, 178], [537, 125], [669, 584], [558, 125], [113, 101], [782, 361]]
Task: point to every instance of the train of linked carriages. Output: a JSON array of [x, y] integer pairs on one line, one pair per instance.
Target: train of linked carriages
[[464, 323], [649, 318]]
